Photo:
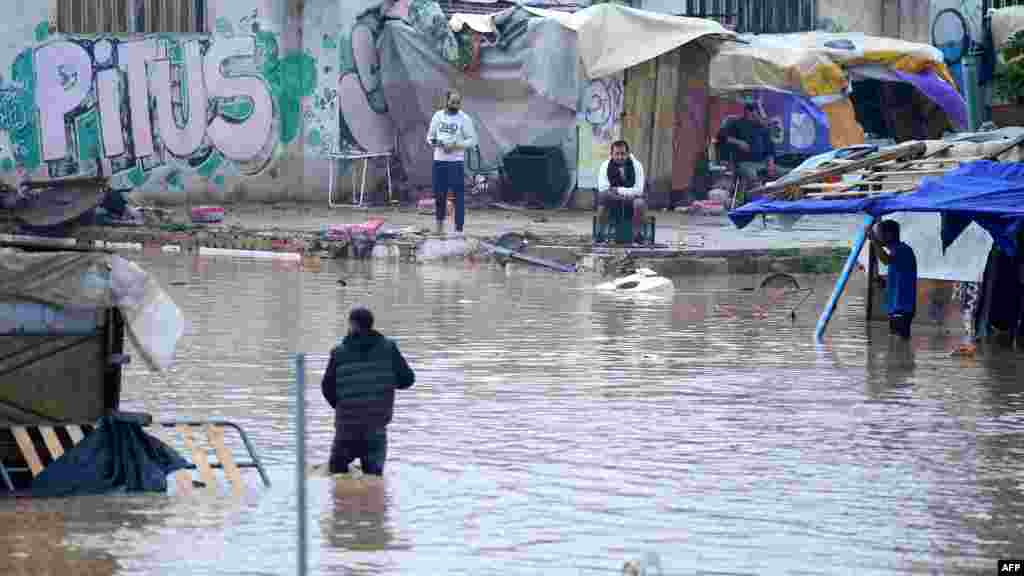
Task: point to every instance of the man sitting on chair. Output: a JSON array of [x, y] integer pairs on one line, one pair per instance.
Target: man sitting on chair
[[747, 141], [620, 180]]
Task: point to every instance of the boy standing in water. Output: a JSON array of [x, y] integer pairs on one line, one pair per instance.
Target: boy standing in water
[[901, 292]]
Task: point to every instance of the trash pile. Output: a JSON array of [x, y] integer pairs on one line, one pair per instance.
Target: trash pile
[[352, 240]]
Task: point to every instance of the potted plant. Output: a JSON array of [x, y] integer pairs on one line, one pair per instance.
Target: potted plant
[[1009, 83]]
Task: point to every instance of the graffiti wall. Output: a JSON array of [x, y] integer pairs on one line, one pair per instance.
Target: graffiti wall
[[159, 114], [600, 124]]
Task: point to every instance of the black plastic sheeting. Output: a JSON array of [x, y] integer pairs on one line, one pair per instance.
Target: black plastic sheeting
[[117, 456]]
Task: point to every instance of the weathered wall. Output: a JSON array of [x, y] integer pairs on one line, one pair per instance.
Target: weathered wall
[[851, 16], [218, 116]]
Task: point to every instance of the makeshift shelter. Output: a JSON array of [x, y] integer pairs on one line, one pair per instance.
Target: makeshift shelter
[[804, 82], [973, 192], [63, 314], [528, 85]]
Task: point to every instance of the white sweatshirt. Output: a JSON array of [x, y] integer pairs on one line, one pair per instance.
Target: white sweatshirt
[[448, 128], [638, 187]]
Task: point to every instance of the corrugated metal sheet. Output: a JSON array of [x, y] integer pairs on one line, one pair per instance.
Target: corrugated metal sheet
[[755, 16], [490, 6], [997, 4]]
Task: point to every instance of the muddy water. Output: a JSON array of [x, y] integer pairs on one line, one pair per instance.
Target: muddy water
[[553, 430]]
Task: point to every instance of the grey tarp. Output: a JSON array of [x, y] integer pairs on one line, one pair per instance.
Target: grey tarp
[[97, 280], [530, 84], [526, 92]]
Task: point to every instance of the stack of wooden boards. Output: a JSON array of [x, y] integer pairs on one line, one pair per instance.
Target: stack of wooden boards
[[894, 170]]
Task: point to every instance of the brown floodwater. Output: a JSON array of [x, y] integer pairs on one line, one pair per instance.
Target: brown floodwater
[[556, 430]]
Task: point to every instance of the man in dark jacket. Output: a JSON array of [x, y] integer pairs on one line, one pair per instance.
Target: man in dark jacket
[[360, 382]]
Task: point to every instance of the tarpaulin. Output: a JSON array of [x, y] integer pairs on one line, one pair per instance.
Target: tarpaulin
[[611, 38], [819, 65], [990, 194], [528, 88], [84, 280], [118, 455], [1006, 22]]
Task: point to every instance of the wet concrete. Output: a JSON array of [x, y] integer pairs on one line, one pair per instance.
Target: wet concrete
[[688, 244], [555, 430]]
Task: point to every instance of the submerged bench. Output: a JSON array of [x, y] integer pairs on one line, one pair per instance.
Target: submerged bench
[[46, 443]]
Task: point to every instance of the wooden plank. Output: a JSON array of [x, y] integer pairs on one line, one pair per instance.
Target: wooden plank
[[828, 195], [75, 432], [227, 461], [27, 449], [638, 107], [199, 457], [52, 442], [659, 171], [915, 149], [1004, 149], [182, 478]]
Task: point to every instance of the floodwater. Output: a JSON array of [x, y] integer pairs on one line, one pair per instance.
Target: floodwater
[[553, 430]]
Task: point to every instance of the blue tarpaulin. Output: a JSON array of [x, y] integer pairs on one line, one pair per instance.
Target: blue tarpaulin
[[990, 194]]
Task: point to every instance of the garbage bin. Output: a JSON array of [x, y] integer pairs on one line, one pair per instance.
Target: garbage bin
[[537, 173]]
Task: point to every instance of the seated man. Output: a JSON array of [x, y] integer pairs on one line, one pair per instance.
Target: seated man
[[748, 143], [621, 179]]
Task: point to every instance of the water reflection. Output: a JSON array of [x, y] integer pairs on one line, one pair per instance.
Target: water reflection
[[556, 430], [359, 519]]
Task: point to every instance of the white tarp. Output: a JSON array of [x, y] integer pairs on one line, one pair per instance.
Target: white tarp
[[95, 280], [1006, 22], [611, 38], [964, 260]]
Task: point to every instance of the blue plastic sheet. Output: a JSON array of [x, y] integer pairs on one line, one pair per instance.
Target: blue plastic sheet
[[990, 194]]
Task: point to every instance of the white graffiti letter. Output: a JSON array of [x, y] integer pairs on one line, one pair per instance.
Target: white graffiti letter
[[110, 111], [237, 141], [132, 58], [63, 78], [181, 141]]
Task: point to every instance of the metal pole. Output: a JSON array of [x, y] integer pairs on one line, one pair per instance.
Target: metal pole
[[971, 88], [300, 467], [844, 277]]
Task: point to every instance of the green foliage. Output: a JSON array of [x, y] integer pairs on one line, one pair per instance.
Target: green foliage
[[1009, 84]]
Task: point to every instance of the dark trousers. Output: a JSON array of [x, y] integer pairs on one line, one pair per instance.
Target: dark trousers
[[368, 444], [450, 176], [899, 325]]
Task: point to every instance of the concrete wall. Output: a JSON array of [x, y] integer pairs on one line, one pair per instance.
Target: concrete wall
[[851, 16], [227, 116]]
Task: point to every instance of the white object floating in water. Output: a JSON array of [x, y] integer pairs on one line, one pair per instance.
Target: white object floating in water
[[259, 254], [118, 245], [643, 280], [170, 248]]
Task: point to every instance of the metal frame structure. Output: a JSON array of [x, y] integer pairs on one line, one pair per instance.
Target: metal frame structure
[[254, 459]]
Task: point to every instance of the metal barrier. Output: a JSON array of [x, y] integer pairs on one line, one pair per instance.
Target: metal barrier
[[54, 446]]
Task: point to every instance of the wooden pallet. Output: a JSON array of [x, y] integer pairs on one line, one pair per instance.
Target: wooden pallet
[[199, 439]]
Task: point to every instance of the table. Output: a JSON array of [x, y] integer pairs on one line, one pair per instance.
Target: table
[[365, 157]]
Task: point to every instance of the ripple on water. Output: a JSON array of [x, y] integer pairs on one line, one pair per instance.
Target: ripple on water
[[554, 430]]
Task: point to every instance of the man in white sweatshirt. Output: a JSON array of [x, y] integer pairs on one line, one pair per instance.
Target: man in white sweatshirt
[[451, 133], [621, 179]]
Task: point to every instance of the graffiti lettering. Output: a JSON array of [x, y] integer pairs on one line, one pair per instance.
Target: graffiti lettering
[[207, 106], [603, 103], [223, 134]]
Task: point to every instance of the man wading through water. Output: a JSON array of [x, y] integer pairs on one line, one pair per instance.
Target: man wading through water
[[451, 133], [360, 382]]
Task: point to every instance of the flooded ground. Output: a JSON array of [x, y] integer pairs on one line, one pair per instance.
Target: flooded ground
[[553, 430]]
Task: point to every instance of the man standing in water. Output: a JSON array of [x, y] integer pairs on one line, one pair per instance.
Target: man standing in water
[[451, 133], [360, 382], [901, 292]]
